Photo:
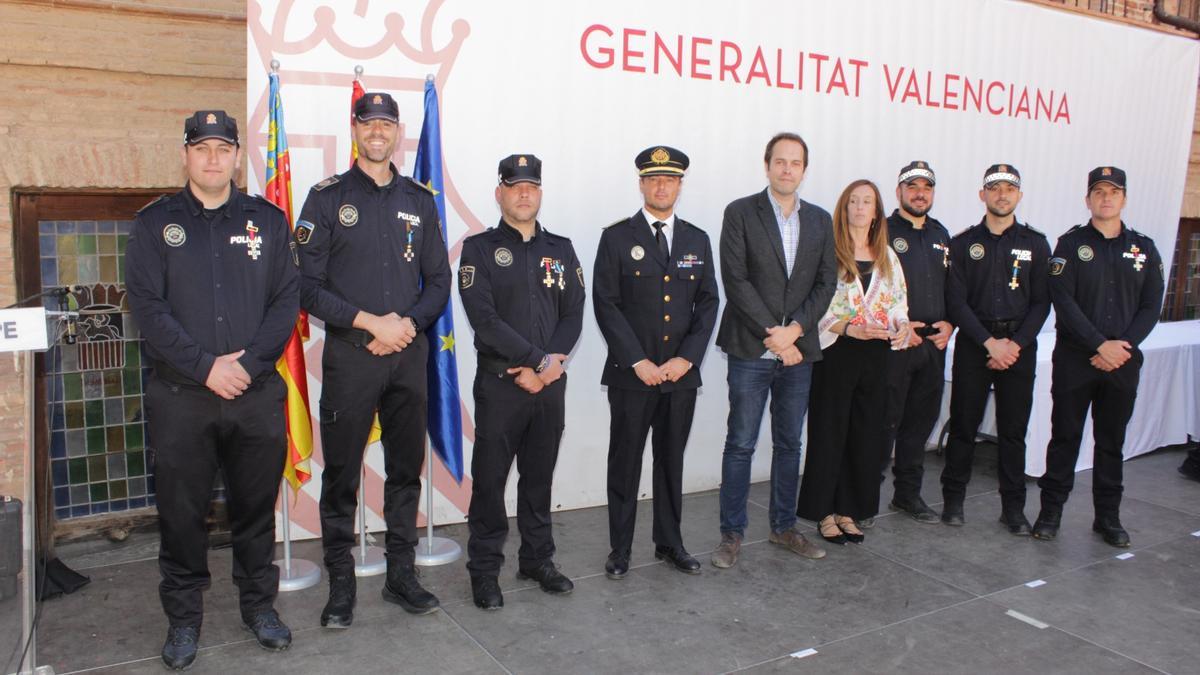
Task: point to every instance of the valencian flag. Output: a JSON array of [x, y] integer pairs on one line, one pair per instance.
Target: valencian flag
[[445, 416], [355, 93], [291, 364]]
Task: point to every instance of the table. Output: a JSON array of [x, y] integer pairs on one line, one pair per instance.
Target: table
[[1168, 403]]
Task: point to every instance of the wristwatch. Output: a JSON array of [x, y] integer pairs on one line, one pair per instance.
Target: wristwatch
[[542, 364]]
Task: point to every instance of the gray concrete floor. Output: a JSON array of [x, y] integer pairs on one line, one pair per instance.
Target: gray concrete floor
[[913, 598]]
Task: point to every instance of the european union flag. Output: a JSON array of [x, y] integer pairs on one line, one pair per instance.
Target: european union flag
[[445, 415]]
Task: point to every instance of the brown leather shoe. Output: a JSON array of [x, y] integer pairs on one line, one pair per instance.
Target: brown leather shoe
[[726, 555], [796, 543]]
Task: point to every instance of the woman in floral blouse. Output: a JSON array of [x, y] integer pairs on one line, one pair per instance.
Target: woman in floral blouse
[[868, 313]]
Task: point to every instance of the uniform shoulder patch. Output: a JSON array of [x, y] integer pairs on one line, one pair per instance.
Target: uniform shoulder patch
[[424, 187], [154, 202], [1057, 265], [466, 276], [332, 180]]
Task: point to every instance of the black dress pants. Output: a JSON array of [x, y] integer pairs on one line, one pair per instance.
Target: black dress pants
[[195, 434], [512, 423], [916, 379], [1075, 386], [968, 398], [356, 383], [633, 413]]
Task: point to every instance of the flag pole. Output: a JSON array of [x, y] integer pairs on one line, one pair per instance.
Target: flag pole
[[431, 550], [368, 560], [294, 573]]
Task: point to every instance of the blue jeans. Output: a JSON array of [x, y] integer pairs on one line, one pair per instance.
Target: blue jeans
[[750, 381]]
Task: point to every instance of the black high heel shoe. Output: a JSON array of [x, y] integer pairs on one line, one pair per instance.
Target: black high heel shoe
[[844, 524], [830, 532]]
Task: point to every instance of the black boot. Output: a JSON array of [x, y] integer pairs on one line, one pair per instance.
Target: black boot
[[952, 510], [339, 611], [485, 591], [1109, 527], [1047, 524], [1013, 519], [403, 589]]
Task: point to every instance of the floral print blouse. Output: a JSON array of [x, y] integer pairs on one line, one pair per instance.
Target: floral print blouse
[[883, 304]]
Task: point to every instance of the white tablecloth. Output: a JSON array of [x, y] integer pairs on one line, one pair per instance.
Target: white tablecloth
[[1167, 409]]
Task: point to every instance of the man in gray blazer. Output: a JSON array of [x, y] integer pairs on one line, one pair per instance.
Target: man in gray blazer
[[779, 272]]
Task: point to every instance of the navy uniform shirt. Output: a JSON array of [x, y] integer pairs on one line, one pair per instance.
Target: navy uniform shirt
[[652, 307], [201, 286], [999, 278], [372, 248], [1105, 289], [524, 299], [924, 255]]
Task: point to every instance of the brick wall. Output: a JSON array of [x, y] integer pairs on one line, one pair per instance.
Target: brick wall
[[94, 95]]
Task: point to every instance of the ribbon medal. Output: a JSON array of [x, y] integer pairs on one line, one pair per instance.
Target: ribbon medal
[[547, 264], [1135, 254], [1019, 255]]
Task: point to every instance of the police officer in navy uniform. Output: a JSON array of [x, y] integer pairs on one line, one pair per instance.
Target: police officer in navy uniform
[[1106, 283], [212, 284], [656, 300], [997, 296], [522, 289], [375, 270], [917, 375]]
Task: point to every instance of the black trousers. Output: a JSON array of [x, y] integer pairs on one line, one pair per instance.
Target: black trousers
[[1076, 385], [916, 378], [633, 413], [846, 434], [356, 383], [511, 423], [968, 399], [195, 434]]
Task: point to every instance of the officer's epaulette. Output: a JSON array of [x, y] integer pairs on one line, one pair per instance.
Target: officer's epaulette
[[420, 185], [326, 183], [157, 200], [1135, 232], [555, 236], [264, 200], [1033, 229], [615, 222]]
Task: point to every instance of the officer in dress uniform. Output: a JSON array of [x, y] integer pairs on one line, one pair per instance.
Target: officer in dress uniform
[[997, 296], [522, 289], [656, 303], [212, 284], [917, 375], [1106, 283], [375, 270]]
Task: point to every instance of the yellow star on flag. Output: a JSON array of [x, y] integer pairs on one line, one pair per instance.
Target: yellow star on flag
[[447, 342], [429, 184]]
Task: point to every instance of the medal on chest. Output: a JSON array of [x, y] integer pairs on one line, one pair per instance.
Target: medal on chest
[[410, 221], [553, 266], [1135, 254], [251, 239], [1019, 256], [945, 253]]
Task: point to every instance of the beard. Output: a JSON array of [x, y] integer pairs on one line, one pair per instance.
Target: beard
[[1000, 213], [914, 210]]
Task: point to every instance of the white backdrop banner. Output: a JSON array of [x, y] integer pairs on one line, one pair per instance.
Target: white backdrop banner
[[585, 86]]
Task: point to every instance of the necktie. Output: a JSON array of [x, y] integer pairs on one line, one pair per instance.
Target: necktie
[[661, 238]]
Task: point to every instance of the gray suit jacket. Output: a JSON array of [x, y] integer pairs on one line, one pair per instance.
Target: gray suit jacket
[[759, 291]]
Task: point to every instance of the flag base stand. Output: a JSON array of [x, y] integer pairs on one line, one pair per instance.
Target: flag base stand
[[432, 551], [303, 574], [295, 574], [369, 561]]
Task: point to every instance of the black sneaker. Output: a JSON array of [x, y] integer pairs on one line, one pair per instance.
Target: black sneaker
[[548, 577], [179, 651], [272, 634], [403, 589], [339, 611], [485, 590], [916, 508]]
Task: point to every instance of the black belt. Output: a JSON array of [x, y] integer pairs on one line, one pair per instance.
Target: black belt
[[494, 365], [1002, 328], [356, 337]]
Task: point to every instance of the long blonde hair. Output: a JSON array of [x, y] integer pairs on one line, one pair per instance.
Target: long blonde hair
[[877, 236]]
